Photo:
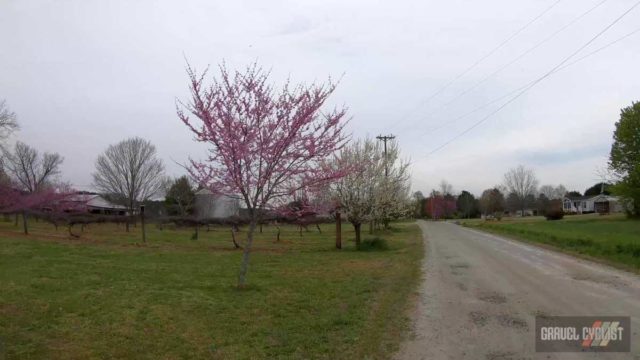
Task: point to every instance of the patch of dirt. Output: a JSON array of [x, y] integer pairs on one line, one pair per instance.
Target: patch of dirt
[[9, 309], [457, 269], [479, 318], [459, 266], [462, 286], [504, 355], [511, 321], [614, 281], [541, 314], [492, 297], [362, 264]]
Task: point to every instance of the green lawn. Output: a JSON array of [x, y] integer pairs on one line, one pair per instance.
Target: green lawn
[[106, 295], [612, 238]]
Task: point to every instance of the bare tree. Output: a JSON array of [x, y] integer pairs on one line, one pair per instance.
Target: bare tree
[[446, 188], [30, 170], [130, 171], [8, 121], [553, 192], [8, 124], [560, 192], [548, 191], [521, 182]]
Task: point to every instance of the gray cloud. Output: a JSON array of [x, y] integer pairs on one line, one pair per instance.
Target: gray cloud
[[84, 74]]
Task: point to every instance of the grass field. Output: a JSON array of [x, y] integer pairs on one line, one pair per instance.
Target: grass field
[[106, 295], [612, 239]]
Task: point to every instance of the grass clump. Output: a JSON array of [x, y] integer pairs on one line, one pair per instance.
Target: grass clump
[[373, 244]]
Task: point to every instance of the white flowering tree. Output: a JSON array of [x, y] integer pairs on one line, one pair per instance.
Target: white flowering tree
[[366, 194], [392, 199]]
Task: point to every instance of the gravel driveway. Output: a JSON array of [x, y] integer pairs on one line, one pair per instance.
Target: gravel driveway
[[481, 293]]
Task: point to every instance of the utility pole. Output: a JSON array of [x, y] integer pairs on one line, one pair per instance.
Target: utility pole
[[385, 138]]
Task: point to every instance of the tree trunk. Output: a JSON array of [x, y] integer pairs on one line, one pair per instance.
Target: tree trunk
[[144, 231], [24, 223], [278, 235], [244, 265], [233, 237], [357, 227]]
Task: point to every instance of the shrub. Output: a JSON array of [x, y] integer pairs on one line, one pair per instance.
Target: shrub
[[374, 244], [554, 215], [554, 210]]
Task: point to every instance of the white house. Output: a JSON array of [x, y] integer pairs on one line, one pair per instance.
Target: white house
[[601, 203]]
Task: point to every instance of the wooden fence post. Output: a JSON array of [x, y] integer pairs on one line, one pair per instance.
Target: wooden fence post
[[144, 233], [338, 230]]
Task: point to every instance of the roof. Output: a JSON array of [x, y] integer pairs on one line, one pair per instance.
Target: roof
[[95, 201], [100, 202], [578, 197], [603, 197], [592, 197]]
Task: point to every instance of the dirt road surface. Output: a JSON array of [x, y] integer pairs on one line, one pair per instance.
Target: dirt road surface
[[481, 294]]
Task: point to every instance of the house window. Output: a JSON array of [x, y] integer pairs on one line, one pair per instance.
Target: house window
[[584, 204]]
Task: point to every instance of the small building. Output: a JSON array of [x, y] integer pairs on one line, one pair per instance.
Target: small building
[[602, 204], [95, 204], [605, 204], [215, 206]]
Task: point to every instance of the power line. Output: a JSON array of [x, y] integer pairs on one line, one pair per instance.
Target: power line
[[601, 48], [535, 82], [438, 127], [516, 59], [477, 62]]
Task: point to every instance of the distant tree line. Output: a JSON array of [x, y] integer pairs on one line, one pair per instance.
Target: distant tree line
[[519, 195]]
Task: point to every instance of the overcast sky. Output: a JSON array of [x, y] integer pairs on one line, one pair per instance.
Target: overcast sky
[[85, 74]]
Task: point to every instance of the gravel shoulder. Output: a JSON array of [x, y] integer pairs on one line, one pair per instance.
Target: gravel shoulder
[[481, 293]]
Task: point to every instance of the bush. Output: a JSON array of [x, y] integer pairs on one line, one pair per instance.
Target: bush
[[374, 244], [554, 210], [554, 215]]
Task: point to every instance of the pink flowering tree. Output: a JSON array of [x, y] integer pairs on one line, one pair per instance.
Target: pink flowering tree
[[52, 201], [263, 143], [307, 208]]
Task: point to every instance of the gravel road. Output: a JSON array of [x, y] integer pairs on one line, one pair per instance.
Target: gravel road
[[481, 293]]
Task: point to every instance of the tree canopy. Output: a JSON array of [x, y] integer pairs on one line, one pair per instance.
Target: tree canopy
[[624, 158], [597, 189], [180, 197]]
